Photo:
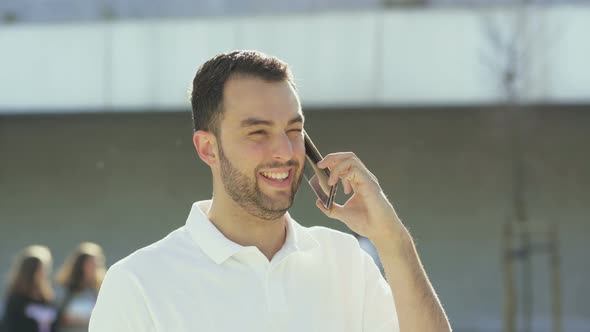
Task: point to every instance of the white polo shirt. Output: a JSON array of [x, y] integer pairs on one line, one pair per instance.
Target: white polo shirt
[[195, 279]]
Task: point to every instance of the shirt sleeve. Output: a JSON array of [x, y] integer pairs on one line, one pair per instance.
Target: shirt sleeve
[[379, 313], [121, 305]]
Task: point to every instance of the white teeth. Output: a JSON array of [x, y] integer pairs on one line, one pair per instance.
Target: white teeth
[[277, 176]]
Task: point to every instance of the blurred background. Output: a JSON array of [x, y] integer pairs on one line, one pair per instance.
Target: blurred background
[[474, 115]]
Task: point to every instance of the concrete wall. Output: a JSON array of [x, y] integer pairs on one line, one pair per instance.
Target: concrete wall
[[126, 180], [395, 57]]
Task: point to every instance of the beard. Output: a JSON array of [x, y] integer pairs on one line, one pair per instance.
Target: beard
[[244, 190]]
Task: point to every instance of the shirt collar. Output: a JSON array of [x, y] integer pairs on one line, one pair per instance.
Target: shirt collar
[[219, 248]]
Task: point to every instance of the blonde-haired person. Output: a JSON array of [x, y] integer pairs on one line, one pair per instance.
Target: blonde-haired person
[[29, 306], [79, 280]]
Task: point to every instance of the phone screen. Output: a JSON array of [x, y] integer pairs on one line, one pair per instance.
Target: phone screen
[[317, 178]]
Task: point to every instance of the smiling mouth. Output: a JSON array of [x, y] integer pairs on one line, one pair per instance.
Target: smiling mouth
[[277, 176]]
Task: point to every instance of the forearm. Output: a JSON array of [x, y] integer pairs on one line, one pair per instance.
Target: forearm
[[417, 305], [368, 213]]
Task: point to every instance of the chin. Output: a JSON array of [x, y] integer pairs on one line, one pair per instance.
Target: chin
[[277, 202]]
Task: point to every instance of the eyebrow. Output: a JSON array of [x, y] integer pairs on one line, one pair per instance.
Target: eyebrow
[[260, 122]]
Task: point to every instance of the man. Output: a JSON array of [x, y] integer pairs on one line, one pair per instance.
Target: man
[[241, 263]]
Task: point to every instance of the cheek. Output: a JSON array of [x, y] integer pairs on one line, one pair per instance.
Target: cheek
[[254, 148], [299, 152], [248, 156], [251, 154], [239, 152]]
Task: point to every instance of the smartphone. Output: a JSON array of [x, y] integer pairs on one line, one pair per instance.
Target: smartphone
[[317, 177]]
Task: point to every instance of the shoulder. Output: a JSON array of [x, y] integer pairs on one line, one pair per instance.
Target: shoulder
[[148, 256], [19, 299], [336, 244], [16, 300], [152, 263], [332, 236]]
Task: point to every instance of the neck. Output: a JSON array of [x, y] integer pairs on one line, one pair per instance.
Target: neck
[[245, 229]]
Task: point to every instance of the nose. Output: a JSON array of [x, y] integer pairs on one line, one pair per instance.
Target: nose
[[283, 148]]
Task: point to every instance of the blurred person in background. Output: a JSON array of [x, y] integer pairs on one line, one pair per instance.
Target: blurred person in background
[[29, 296], [241, 263], [79, 280]]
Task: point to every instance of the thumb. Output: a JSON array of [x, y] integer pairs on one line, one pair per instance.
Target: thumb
[[334, 211]]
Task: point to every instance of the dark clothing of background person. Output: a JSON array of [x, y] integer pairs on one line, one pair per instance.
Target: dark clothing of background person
[[24, 314]]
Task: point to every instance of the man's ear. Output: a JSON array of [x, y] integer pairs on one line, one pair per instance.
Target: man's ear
[[206, 144]]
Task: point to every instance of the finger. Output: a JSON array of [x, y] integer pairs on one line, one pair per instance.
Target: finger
[[353, 176], [344, 170], [352, 170], [334, 158], [347, 187], [346, 184]]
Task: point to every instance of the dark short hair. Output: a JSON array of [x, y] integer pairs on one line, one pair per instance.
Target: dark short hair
[[208, 84]]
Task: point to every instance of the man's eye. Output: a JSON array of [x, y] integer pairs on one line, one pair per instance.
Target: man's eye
[[258, 132], [297, 131]]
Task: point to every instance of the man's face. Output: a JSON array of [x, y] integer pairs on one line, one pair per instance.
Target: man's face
[[261, 149]]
